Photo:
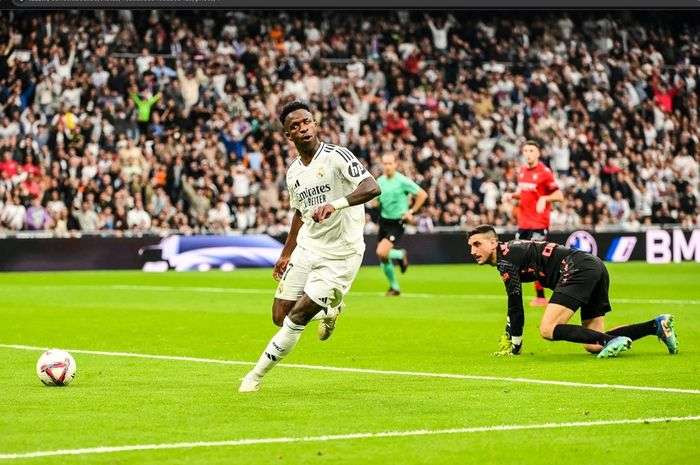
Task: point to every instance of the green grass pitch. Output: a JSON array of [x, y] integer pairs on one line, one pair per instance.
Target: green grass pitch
[[448, 321]]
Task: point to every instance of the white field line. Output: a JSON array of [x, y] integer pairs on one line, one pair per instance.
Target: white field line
[[339, 437], [418, 374], [270, 292]]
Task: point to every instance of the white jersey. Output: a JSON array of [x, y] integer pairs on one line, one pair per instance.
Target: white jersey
[[333, 172]]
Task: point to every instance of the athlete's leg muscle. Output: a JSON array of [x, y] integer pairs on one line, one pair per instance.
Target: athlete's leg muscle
[[554, 314], [280, 309], [596, 324], [383, 248], [304, 310]]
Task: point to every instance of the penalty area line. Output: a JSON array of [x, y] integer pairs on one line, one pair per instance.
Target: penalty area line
[[417, 374], [339, 437]]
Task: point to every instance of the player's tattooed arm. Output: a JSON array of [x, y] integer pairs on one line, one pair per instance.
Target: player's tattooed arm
[[289, 246], [365, 191]]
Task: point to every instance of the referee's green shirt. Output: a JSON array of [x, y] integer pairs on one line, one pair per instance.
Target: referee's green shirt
[[394, 198]]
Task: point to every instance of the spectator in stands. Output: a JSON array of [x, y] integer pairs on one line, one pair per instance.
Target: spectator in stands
[[137, 218], [614, 106], [37, 218], [87, 217], [13, 214]]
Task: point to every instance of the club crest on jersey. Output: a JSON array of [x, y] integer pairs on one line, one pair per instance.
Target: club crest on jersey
[[320, 173]]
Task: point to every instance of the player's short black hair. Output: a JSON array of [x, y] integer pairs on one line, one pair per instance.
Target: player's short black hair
[[533, 142], [482, 229], [292, 106]]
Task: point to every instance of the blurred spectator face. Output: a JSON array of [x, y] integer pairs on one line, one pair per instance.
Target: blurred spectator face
[[531, 154], [389, 165]]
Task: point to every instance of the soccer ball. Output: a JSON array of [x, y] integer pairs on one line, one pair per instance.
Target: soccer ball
[[56, 367]]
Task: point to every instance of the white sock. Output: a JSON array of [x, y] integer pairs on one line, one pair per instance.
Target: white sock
[[280, 345]]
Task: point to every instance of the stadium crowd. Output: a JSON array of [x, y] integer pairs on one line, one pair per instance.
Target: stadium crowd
[[156, 121]]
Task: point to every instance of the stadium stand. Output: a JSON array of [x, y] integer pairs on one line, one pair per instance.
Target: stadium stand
[[156, 121]]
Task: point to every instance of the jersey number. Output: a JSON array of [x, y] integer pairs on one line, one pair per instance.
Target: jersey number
[[356, 169], [547, 251]]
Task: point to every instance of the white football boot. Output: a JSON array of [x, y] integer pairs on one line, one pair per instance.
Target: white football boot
[[250, 383], [327, 325]]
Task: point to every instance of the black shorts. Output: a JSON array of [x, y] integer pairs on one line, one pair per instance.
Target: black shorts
[[584, 283], [531, 234], [390, 229]]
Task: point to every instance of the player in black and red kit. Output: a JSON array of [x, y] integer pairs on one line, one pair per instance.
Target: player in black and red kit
[[537, 189], [578, 279]]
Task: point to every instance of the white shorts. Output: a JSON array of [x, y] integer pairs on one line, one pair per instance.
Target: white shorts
[[321, 278]]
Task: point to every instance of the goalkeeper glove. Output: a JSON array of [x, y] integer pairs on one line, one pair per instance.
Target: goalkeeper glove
[[507, 347]]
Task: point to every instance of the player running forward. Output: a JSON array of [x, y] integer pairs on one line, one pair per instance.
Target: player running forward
[[323, 252], [394, 211], [537, 189], [577, 278]]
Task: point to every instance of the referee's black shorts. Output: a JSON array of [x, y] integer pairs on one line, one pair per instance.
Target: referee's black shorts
[[584, 283], [532, 234], [390, 229]]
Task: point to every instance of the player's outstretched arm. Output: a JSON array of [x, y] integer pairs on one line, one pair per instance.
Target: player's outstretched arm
[[511, 342], [289, 246], [364, 192], [509, 268]]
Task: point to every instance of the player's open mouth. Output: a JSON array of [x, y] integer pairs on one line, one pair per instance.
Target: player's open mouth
[[308, 137]]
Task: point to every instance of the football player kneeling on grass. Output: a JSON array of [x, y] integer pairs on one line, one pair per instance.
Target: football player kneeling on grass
[[578, 279]]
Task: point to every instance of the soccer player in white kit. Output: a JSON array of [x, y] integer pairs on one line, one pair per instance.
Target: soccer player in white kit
[[328, 187]]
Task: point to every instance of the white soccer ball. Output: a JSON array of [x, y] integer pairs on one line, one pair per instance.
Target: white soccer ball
[[56, 367]]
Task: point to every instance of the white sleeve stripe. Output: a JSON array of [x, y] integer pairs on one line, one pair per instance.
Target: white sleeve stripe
[[319, 150], [346, 154]]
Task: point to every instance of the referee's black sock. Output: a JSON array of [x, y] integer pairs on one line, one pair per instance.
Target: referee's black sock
[[576, 333], [635, 331]]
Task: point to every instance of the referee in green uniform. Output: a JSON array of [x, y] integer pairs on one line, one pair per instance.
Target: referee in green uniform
[[394, 211]]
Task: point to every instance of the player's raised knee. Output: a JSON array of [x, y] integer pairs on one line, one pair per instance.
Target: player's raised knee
[[547, 330]]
